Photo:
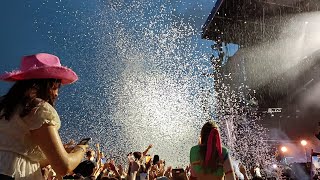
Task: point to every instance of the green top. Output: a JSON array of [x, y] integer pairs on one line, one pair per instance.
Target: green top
[[195, 160]]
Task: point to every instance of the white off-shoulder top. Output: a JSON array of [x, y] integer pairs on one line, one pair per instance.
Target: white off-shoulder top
[[19, 156]]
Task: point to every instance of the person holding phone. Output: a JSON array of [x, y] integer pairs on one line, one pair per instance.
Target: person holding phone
[[29, 122], [209, 159], [136, 163]]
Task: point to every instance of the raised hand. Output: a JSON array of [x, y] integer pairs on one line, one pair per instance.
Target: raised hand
[[96, 172], [243, 170], [146, 151], [79, 147], [112, 167], [120, 169], [69, 146]]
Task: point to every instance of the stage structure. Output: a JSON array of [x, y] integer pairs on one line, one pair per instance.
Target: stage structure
[[277, 65]]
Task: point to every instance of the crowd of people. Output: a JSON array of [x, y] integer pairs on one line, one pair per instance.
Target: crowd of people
[[140, 166], [31, 147]]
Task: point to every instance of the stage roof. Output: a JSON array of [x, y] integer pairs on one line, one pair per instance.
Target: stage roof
[[247, 22]]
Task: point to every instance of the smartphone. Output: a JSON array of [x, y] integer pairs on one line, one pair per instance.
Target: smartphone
[[177, 171], [84, 141]]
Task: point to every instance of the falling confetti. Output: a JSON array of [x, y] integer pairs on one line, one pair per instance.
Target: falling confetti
[[141, 66]]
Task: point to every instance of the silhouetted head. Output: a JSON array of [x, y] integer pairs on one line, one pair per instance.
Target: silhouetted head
[[137, 155], [156, 159]]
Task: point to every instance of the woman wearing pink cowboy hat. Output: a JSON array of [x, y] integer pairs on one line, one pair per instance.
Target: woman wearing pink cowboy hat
[[29, 122]]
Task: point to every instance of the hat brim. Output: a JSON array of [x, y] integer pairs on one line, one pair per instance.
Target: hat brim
[[66, 75]]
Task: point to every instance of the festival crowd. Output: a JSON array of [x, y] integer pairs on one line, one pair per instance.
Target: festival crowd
[[140, 166]]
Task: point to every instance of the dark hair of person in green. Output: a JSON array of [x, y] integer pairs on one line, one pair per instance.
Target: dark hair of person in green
[[214, 160]]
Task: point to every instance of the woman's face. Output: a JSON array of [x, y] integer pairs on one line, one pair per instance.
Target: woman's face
[[54, 91]]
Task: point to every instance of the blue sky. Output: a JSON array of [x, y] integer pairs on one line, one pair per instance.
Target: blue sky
[[45, 26]]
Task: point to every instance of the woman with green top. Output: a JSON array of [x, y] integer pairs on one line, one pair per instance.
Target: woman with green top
[[209, 159]]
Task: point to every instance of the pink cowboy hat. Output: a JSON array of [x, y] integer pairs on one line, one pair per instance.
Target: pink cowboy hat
[[41, 66]]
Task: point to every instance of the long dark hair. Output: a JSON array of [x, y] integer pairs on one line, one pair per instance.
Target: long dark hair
[[215, 160], [25, 93]]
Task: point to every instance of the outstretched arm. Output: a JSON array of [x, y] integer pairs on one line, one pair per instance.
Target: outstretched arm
[[228, 169], [99, 155], [48, 139], [243, 171], [146, 151]]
